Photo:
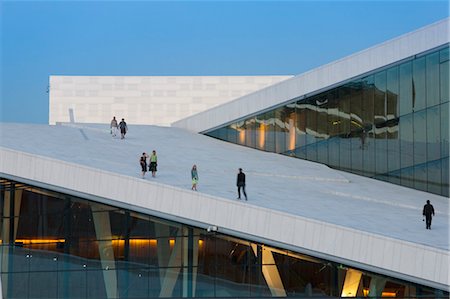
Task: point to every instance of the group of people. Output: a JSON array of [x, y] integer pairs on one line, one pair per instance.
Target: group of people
[[116, 126], [153, 159]]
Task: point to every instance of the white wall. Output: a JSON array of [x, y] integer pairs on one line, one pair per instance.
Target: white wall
[[322, 77], [151, 100]]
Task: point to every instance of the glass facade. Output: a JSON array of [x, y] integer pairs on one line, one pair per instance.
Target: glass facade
[[55, 245], [391, 124]]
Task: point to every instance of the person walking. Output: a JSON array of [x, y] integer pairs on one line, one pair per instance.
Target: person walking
[[428, 212], [143, 163], [241, 183], [153, 163], [123, 128], [114, 127], [194, 176]]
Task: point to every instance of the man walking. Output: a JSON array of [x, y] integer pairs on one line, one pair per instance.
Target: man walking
[[123, 128], [241, 183], [428, 211]]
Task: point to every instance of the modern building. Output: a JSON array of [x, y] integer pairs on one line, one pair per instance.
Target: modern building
[[145, 100], [79, 221]]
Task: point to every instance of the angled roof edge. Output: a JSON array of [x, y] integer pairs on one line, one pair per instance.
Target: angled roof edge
[[361, 249], [378, 56]]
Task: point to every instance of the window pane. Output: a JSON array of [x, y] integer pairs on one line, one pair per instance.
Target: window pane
[[280, 130], [433, 133], [420, 137], [250, 132], [444, 129], [240, 132], [419, 95], [444, 81], [434, 176], [392, 90], [406, 89], [300, 138], [290, 119], [406, 141], [432, 77]]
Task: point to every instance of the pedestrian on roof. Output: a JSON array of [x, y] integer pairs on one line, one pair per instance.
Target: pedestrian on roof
[[241, 183], [143, 163], [114, 127], [123, 128], [428, 212], [194, 176], [153, 163]]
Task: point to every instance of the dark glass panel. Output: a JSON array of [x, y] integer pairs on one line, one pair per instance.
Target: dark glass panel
[[231, 133], [406, 141], [344, 124], [420, 137], [19, 285], [322, 151], [269, 119], [406, 88], [290, 123], [433, 128], [311, 121], [379, 109], [72, 284], [393, 144], [432, 79], [311, 129], [222, 133], [357, 134], [95, 284], [333, 152], [419, 87], [47, 279], [434, 176], [445, 177], [214, 133], [280, 129], [445, 129], [250, 132], [444, 82], [300, 138], [240, 132], [260, 133], [380, 120], [420, 177], [392, 93], [407, 177], [367, 104], [443, 55]]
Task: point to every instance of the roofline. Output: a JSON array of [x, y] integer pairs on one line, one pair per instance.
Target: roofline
[[401, 48]]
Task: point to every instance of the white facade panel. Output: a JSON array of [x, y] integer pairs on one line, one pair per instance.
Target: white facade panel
[[163, 99], [322, 77]]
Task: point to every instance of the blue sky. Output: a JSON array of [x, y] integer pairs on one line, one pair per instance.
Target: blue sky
[[43, 38]]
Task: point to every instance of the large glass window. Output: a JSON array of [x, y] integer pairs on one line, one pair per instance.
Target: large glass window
[[379, 125]]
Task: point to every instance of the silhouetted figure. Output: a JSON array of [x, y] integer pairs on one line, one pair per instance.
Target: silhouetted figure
[[123, 128], [241, 184], [428, 212], [143, 163]]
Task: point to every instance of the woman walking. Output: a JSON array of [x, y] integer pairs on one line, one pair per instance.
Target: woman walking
[[194, 176], [153, 163], [143, 162]]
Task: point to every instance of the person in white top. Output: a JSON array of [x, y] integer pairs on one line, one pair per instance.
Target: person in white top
[[114, 127]]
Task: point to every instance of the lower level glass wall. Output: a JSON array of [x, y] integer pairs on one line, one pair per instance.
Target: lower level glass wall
[[54, 245]]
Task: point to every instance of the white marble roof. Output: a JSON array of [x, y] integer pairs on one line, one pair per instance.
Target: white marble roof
[[274, 181]]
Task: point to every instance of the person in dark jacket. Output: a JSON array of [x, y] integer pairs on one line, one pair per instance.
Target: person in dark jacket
[[241, 184], [143, 163], [123, 128], [428, 211]]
